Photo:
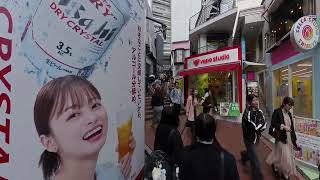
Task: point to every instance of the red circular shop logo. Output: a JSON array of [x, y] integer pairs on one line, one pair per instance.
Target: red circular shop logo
[[307, 32]]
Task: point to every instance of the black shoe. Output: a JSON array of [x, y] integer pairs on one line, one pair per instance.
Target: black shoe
[[275, 172], [243, 162], [244, 157]]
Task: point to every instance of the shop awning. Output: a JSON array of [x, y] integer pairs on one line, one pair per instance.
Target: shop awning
[[252, 66], [219, 68]]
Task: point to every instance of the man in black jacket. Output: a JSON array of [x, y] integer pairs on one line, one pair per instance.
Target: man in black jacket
[[206, 159], [253, 123]]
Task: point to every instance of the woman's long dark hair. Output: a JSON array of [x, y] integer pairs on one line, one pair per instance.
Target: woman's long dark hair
[[193, 96], [50, 163], [287, 100], [50, 101], [168, 117]]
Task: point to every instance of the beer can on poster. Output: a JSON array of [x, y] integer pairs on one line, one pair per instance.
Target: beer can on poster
[[74, 36]]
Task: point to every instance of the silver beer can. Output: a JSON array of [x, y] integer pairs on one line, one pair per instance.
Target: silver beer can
[[67, 37]]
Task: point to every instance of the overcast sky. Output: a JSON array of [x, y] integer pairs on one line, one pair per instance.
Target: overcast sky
[[181, 11]]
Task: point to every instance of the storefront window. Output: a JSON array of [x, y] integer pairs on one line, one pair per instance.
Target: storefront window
[[302, 88], [198, 82], [220, 84], [281, 86], [301, 79], [223, 86]]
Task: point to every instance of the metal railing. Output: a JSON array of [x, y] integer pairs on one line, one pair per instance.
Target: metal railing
[[218, 44], [207, 12]]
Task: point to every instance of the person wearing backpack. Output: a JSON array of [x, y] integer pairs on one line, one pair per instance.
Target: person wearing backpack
[[206, 159], [168, 138]]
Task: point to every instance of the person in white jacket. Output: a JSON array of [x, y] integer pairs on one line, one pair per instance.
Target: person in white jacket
[[206, 94]]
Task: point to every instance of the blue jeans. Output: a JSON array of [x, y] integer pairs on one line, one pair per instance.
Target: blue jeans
[[252, 155]]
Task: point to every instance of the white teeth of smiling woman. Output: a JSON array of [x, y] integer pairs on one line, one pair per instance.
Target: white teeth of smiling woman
[[90, 133]]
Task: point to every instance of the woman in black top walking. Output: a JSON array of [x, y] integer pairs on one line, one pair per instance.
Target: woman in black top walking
[[282, 129], [168, 138]]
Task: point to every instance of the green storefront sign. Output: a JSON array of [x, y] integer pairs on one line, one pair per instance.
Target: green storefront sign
[[229, 109]]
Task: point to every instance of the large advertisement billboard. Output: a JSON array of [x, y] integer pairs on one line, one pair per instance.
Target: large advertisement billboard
[[72, 89]]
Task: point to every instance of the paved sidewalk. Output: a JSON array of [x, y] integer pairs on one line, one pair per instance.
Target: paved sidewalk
[[230, 137]]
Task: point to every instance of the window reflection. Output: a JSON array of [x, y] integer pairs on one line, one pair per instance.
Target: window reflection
[[302, 88], [281, 86]]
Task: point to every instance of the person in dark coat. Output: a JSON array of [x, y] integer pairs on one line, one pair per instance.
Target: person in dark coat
[[168, 138], [253, 124], [206, 159], [157, 104], [209, 102]]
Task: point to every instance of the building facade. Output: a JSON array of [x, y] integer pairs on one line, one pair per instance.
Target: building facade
[[225, 46], [161, 10], [180, 51], [154, 46], [293, 73], [292, 53]]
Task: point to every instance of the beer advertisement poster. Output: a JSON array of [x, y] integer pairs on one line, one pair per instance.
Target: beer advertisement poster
[[72, 89]]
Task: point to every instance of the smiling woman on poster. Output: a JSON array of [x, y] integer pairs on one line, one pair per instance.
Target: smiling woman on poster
[[72, 125]]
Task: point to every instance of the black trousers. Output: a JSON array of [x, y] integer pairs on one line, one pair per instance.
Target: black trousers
[[251, 154], [191, 125], [176, 108]]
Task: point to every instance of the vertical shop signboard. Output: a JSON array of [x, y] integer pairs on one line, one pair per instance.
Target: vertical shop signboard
[[100, 41], [229, 109], [308, 136]]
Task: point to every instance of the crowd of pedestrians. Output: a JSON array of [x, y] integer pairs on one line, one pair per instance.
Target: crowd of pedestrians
[[205, 158]]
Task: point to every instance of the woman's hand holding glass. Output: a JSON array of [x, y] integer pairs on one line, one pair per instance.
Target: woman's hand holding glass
[[125, 162]]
